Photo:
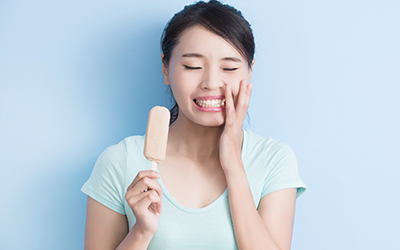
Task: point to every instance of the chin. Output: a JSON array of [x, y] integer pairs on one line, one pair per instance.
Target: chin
[[211, 123], [204, 119]]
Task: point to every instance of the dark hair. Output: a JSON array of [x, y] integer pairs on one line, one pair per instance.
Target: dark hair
[[221, 19]]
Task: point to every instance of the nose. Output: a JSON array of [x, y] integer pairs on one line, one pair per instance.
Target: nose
[[211, 80]]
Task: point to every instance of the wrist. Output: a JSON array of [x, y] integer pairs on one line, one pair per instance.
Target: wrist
[[142, 234], [234, 171], [136, 239]]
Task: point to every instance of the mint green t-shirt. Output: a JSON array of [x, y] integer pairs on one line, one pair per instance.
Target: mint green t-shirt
[[270, 166]]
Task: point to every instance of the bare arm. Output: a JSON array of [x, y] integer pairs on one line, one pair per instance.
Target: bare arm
[[269, 228], [105, 228], [277, 210], [108, 230]]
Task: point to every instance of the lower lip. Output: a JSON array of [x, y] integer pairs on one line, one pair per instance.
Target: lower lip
[[210, 109]]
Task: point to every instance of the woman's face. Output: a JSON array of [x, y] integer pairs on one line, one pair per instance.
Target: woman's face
[[200, 67]]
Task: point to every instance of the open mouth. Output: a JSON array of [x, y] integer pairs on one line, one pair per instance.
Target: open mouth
[[211, 103]]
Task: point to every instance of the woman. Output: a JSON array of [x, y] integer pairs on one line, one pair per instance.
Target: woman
[[220, 187]]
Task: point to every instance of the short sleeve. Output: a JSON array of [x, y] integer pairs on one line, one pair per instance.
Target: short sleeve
[[107, 181], [282, 170]]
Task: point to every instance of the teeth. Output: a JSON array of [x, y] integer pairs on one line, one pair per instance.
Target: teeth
[[215, 103]]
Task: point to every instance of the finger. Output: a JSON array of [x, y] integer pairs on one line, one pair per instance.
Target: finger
[[230, 108], [229, 120], [134, 200], [157, 206], [150, 198], [147, 173], [242, 95], [146, 184], [242, 102], [249, 91], [228, 97]]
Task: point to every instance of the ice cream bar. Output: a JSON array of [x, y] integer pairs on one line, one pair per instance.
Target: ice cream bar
[[155, 145]]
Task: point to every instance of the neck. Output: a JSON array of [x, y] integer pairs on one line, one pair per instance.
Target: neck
[[193, 141]]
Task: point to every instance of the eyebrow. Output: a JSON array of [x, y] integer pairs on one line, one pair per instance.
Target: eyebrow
[[233, 59], [192, 55]]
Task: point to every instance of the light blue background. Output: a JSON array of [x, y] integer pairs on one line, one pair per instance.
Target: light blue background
[[78, 76]]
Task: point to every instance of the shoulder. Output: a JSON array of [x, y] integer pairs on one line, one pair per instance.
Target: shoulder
[[116, 154], [107, 182], [276, 161], [269, 155], [134, 141], [266, 146], [123, 146]]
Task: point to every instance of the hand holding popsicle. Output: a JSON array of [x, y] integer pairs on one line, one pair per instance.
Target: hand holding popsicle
[[144, 198], [144, 193], [156, 135]]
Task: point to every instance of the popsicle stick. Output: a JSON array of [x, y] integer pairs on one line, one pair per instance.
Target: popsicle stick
[[154, 165]]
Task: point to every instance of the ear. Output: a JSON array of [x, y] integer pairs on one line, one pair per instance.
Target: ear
[[164, 70], [251, 68]]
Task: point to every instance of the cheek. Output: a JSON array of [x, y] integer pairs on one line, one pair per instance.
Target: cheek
[[180, 85], [182, 79], [235, 81], [176, 76]]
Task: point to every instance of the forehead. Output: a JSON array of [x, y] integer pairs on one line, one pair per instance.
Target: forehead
[[199, 40]]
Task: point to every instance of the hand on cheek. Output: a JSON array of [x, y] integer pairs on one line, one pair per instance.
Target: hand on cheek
[[231, 138]]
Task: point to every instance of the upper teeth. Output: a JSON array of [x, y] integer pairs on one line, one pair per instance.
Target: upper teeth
[[215, 103]]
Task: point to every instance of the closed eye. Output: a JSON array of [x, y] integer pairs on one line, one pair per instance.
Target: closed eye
[[188, 67], [230, 69]]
